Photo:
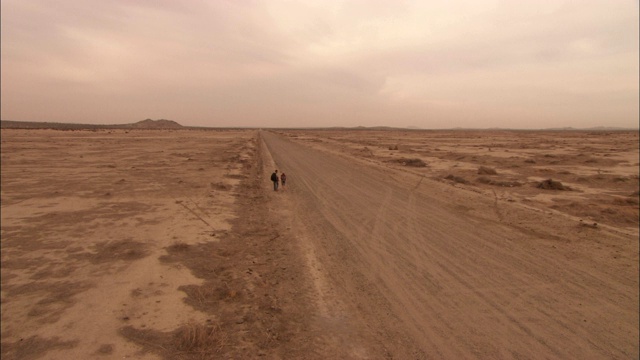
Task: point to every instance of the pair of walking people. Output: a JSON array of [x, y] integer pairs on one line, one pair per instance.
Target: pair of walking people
[[276, 180]]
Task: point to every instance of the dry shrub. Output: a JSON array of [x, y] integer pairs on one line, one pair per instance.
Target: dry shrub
[[530, 161], [127, 250], [623, 215], [415, 163], [629, 201], [34, 347], [593, 225], [552, 185], [365, 151], [507, 183], [411, 162], [105, 349], [483, 170], [488, 181], [235, 176], [189, 341], [395, 147], [635, 193], [221, 186], [199, 339], [178, 247], [201, 296], [457, 179]]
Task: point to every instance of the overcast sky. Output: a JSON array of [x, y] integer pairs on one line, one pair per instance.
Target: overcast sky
[[428, 64]]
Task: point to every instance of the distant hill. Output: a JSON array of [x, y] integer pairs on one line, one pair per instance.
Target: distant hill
[[10, 124], [156, 124], [595, 129], [144, 124]]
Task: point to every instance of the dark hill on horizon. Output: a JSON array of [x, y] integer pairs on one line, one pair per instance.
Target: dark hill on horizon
[[164, 124], [143, 124], [156, 124]]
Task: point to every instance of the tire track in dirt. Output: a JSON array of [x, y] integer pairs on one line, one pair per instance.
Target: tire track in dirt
[[420, 279], [337, 343]]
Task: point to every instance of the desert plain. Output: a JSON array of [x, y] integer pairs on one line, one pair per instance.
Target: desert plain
[[384, 244]]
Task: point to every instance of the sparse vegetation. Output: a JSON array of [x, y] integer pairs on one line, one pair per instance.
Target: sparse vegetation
[[483, 170], [178, 247], [250, 277], [190, 341], [193, 338], [627, 201], [221, 186], [550, 184], [144, 124], [488, 181], [126, 250], [411, 162], [457, 179], [34, 347]]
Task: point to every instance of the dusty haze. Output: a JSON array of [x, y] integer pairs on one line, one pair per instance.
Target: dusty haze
[[479, 64]]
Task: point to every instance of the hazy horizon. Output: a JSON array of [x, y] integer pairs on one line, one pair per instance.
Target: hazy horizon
[[466, 64]]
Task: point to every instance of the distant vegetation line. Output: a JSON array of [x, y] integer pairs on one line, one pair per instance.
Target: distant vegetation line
[[170, 124], [144, 124]]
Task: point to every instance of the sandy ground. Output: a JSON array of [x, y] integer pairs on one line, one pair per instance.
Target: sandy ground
[[172, 244]]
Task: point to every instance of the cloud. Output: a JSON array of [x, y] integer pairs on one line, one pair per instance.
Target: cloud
[[265, 63]]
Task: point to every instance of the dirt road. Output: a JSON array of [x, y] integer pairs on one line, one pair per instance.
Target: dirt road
[[408, 267]]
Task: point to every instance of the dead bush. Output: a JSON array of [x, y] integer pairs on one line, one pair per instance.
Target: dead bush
[[483, 170], [201, 296], [178, 247], [488, 181], [199, 339], [220, 186], [127, 250], [628, 201], [457, 179], [411, 162], [34, 347], [189, 341], [415, 163], [506, 183], [550, 184], [105, 349]]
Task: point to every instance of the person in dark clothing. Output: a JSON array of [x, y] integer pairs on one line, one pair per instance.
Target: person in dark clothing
[[283, 178], [275, 179]]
